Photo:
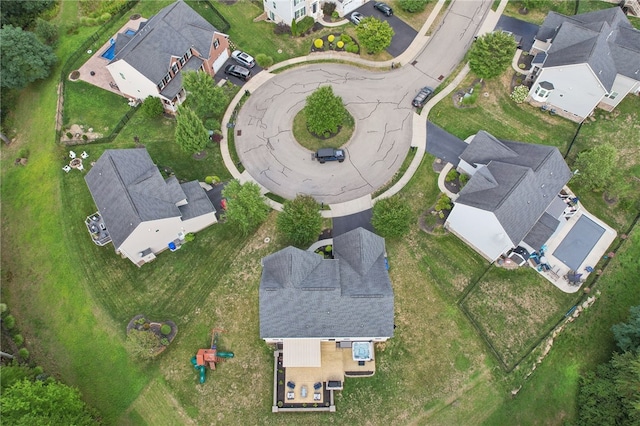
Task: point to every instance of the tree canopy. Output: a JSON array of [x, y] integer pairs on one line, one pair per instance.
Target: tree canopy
[[627, 334], [374, 35], [190, 132], [596, 166], [300, 221], [391, 217], [28, 402], [491, 54], [21, 13], [412, 6], [246, 208], [324, 111], [24, 57], [203, 96]]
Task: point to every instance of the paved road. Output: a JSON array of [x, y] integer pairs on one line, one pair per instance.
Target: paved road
[[379, 101]]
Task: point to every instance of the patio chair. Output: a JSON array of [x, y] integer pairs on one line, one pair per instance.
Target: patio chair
[[290, 395], [317, 385], [72, 155], [80, 167], [66, 168], [84, 154], [317, 396], [291, 385]]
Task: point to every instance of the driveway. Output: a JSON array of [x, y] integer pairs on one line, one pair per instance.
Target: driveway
[[220, 75], [526, 30], [344, 224], [404, 34]]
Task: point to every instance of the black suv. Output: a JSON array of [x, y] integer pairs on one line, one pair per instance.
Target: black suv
[[237, 71], [421, 98], [384, 8], [330, 154]]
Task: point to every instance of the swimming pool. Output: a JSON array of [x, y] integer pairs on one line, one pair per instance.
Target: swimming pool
[[110, 53]]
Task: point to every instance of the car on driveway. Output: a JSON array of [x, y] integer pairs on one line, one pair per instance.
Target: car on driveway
[[237, 71], [422, 97], [356, 17], [243, 59], [384, 8], [330, 154]]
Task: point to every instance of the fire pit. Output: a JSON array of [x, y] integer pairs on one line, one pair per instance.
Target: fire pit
[[76, 163]]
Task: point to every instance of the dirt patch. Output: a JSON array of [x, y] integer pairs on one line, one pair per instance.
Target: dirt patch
[[431, 222], [76, 134]]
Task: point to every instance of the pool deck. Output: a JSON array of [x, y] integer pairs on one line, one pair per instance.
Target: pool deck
[[558, 269], [96, 63]]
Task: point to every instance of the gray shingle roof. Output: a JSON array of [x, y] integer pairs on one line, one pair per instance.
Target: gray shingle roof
[[128, 189], [303, 295], [603, 39], [169, 33], [198, 202], [518, 185]]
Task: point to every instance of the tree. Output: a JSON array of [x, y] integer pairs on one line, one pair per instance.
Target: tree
[[391, 217], [374, 35], [300, 221], [46, 32], [24, 58], [29, 402], [491, 54], [142, 344], [204, 97], [627, 334], [151, 107], [246, 208], [294, 27], [324, 111], [412, 6], [190, 132], [596, 166], [21, 13]]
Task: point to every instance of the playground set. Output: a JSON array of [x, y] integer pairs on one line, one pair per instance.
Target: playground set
[[209, 357]]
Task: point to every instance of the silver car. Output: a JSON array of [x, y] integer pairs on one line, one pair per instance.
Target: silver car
[[243, 59], [356, 17]]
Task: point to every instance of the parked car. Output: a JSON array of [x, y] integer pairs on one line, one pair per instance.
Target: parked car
[[237, 71], [243, 58], [356, 17], [384, 8], [330, 154], [421, 98]]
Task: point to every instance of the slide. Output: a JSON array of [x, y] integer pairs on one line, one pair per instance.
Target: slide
[[225, 354]]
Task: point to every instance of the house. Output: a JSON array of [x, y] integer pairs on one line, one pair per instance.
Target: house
[[142, 212], [512, 197], [149, 62], [585, 61], [325, 314], [286, 11]]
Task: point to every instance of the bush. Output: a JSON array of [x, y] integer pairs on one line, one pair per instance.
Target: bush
[[340, 44], [23, 353], [263, 60], [9, 322], [335, 15], [151, 107], [191, 236], [18, 339], [392, 217], [328, 8], [69, 135], [318, 43], [165, 329], [352, 48], [85, 137], [281, 29], [208, 180], [412, 6], [3, 308], [452, 175], [294, 27], [519, 94], [346, 38], [463, 178], [104, 17], [46, 32], [305, 25], [443, 203], [331, 38], [164, 341]]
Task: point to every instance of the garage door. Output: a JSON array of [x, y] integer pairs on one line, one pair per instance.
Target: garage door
[[218, 63]]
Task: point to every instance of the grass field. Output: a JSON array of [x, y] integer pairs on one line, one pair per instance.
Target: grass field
[[73, 299]]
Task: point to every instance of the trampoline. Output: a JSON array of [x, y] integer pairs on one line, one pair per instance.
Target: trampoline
[[579, 242]]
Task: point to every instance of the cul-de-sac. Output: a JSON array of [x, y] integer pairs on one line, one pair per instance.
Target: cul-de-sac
[[320, 212]]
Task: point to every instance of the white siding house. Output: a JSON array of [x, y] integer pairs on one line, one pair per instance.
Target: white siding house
[[287, 10]]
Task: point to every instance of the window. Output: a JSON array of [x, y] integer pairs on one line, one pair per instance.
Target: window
[[274, 4], [189, 54], [167, 78], [612, 95], [301, 12], [174, 68], [161, 85], [216, 43], [182, 61], [297, 2], [542, 93], [122, 76]]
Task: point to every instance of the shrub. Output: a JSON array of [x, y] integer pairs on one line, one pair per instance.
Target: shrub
[[443, 203], [151, 107], [464, 178], [519, 94], [328, 8], [305, 25], [318, 43], [9, 322], [208, 180], [216, 137], [335, 15], [346, 38], [521, 66], [165, 329], [69, 135], [85, 137], [263, 60], [392, 217], [452, 175], [282, 28], [46, 31], [331, 38], [352, 48], [191, 236], [23, 353], [18, 339], [164, 341], [3, 308], [294, 27], [340, 44], [412, 6]]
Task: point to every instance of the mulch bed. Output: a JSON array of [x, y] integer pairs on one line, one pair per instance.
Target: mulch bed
[[154, 327], [453, 186], [434, 229], [457, 97]]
